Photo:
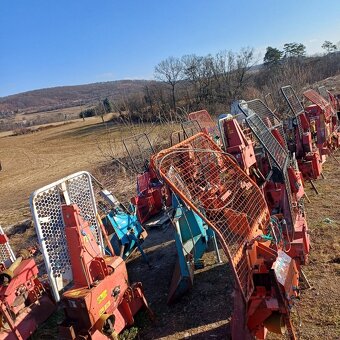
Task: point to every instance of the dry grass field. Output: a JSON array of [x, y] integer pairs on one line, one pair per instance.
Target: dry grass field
[[36, 159], [33, 160]]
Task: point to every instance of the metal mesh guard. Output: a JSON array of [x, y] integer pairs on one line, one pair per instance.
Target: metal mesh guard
[[205, 122], [213, 185], [292, 100], [190, 128], [318, 100], [323, 92], [46, 210], [267, 116], [275, 150], [6, 252]]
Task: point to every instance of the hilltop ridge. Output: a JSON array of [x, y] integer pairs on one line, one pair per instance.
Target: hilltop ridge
[[69, 96]]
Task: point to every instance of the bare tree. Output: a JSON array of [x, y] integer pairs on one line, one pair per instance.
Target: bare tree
[[170, 71]]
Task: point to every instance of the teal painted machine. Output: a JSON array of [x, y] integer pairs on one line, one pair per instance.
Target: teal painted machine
[[192, 238], [125, 233]]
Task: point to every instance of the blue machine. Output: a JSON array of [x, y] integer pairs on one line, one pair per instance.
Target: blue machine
[[192, 238], [125, 232]]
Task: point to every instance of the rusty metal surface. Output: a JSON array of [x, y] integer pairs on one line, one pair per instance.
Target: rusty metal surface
[[213, 185]]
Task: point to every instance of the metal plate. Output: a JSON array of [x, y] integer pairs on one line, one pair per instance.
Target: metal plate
[[222, 132], [139, 150], [47, 215], [6, 253], [213, 185]]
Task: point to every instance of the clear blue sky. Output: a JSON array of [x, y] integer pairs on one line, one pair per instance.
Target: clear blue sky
[[45, 43]]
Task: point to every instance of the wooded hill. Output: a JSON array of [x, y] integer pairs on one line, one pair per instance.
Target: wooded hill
[[69, 96]]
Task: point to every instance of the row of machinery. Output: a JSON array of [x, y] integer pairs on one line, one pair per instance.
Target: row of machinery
[[239, 181]]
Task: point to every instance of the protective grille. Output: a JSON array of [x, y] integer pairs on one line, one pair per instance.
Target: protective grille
[[139, 150], [268, 98], [267, 116], [6, 252], [213, 185], [177, 137], [290, 217], [324, 93], [319, 101], [292, 100], [205, 122], [276, 152], [190, 128], [294, 104], [46, 210]]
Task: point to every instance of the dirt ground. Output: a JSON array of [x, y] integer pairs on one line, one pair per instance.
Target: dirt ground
[[205, 312], [31, 161]]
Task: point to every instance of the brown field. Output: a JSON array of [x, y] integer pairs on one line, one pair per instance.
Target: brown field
[[70, 112], [36, 159], [33, 160]]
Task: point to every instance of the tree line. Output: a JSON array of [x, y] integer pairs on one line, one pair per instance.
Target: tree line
[[213, 82]]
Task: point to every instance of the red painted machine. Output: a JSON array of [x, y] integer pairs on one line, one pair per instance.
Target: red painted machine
[[334, 100], [323, 121], [150, 191], [299, 137], [216, 189], [25, 303], [236, 143], [101, 302], [283, 188]]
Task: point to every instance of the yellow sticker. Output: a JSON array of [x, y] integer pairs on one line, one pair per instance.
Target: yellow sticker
[[102, 296], [75, 293], [104, 308]]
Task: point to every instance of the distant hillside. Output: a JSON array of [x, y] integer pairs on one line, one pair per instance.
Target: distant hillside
[[68, 96]]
